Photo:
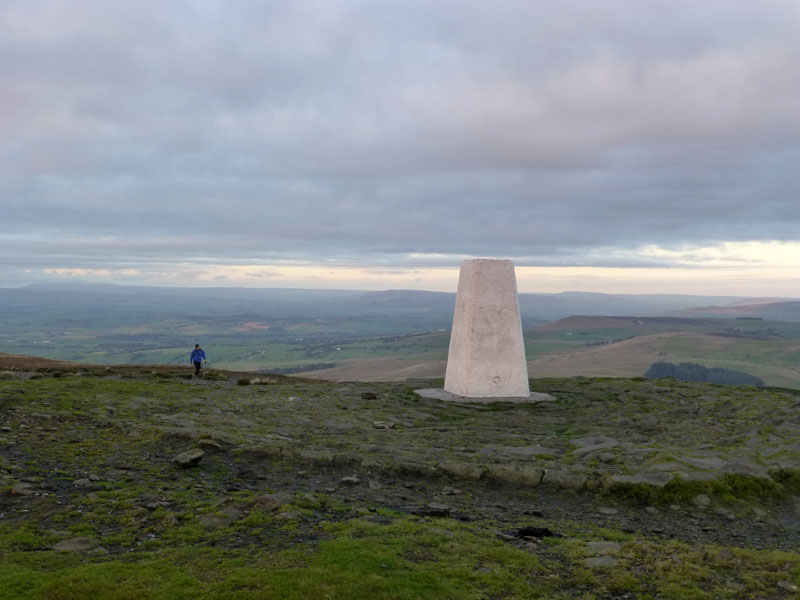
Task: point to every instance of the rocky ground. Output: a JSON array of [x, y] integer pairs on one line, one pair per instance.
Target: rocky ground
[[104, 462]]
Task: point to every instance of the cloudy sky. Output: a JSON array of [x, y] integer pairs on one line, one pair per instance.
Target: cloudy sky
[[615, 145]]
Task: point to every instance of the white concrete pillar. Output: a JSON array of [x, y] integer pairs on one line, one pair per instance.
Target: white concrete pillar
[[487, 354]]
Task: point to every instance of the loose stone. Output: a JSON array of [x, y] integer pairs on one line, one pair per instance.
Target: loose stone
[[209, 443], [77, 544], [606, 457], [232, 512], [272, 502], [519, 475], [586, 450], [565, 479], [536, 532], [189, 458], [288, 516], [22, 489], [213, 521], [463, 470], [434, 509], [654, 479]]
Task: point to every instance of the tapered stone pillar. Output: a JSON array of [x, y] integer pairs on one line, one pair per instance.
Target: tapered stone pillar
[[487, 354]]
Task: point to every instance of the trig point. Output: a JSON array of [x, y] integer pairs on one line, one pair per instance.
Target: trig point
[[487, 355]]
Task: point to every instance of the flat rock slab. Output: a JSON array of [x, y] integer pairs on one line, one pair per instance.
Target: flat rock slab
[[601, 562], [656, 479], [565, 479], [586, 450], [78, 544], [189, 458], [517, 474], [594, 441], [527, 451], [439, 394], [710, 463]]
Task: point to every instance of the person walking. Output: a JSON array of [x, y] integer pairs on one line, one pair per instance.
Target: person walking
[[197, 356]]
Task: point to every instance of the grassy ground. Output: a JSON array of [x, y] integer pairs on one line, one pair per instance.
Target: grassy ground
[[402, 558], [86, 458]]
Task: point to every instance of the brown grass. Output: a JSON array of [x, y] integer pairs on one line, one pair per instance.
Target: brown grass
[[380, 369], [16, 361]]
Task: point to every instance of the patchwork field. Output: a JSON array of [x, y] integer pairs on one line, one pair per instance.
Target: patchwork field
[[392, 335]]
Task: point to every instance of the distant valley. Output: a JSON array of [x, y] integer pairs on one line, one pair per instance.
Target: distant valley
[[396, 334]]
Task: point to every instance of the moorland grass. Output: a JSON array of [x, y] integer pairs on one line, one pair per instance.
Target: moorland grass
[[334, 547]]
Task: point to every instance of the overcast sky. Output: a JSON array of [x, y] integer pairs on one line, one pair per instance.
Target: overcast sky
[[615, 145]]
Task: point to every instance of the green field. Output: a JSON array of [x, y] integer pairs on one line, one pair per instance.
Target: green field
[[292, 331], [770, 350]]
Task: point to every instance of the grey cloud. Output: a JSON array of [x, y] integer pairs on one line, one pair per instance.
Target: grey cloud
[[362, 131]]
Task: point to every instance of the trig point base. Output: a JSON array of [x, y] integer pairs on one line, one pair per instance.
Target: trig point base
[[487, 355]]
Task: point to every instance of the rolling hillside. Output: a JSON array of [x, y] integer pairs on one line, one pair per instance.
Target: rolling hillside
[[393, 334], [776, 362], [767, 309], [611, 347], [627, 346]]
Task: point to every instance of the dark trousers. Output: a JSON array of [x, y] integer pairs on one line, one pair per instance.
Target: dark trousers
[[197, 365]]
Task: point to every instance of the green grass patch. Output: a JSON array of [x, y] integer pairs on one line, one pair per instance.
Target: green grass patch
[[727, 488]]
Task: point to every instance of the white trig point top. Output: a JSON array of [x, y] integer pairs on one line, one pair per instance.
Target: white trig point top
[[487, 354]]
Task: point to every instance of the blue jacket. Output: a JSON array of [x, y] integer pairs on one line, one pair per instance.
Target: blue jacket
[[197, 355]]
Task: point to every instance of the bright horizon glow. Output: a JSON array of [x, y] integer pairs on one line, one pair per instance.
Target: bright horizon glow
[[753, 269]]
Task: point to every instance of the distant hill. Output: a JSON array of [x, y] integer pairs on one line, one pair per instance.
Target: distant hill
[[17, 361], [282, 303], [248, 329], [549, 307], [759, 329], [782, 310], [627, 346]]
